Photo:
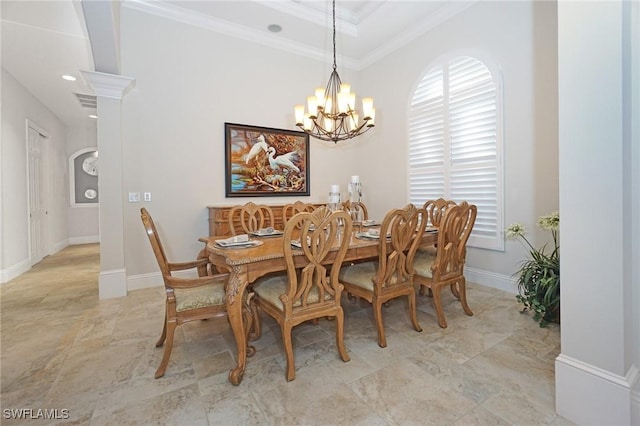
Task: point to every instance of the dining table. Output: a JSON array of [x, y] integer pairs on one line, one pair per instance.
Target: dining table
[[245, 264]]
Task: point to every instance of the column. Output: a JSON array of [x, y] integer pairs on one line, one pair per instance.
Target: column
[[597, 378], [110, 89]]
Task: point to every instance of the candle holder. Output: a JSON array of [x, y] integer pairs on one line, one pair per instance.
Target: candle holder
[[355, 192], [334, 198]]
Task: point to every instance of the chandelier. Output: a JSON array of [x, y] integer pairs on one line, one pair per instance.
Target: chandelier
[[331, 114]]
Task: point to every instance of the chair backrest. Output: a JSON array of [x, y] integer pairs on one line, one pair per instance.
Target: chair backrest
[[356, 206], [453, 235], [436, 210], [154, 239], [290, 210], [250, 217], [321, 235], [395, 259]]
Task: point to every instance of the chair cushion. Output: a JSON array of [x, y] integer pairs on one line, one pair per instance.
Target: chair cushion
[[199, 297], [359, 274], [431, 250], [271, 288], [422, 263]]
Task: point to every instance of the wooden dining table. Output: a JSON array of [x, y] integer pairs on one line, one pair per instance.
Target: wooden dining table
[[245, 265]]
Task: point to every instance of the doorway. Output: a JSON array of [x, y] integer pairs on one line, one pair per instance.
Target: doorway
[[38, 187]]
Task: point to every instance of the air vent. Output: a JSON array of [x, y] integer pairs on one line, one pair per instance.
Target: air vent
[[87, 101]]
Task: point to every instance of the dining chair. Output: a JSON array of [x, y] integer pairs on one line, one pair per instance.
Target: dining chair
[[356, 207], [250, 217], [446, 267], [309, 289], [187, 299], [391, 274], [291, 209], [435, 212]]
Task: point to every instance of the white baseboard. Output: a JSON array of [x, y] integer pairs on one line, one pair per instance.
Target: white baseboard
[[59, 246], [491, 279], [140, 281], [112, 284], [14, 271], [84, 240], [588, 395]]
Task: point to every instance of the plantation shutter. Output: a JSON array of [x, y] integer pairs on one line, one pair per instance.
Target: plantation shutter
[[454, 146]]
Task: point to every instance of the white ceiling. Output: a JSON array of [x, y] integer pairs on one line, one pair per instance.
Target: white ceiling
[[41, 40]]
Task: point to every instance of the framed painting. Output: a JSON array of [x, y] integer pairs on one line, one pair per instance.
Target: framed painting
[[261, 161]]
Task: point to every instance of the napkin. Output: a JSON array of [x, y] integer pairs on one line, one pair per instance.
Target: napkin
[[242, 238]]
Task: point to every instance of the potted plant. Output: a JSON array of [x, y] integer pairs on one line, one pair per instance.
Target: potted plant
[[539, 276]]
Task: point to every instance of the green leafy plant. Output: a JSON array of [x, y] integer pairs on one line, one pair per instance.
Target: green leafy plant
[[539, 276]]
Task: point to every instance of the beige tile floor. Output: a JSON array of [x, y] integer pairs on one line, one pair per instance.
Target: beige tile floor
[[64, 349]]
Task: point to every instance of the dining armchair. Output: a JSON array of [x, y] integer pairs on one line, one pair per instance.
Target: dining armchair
[[291, 209], [446, 266], [309, 289], [187, 299], [356, 207], [391, 274], [250, 217]]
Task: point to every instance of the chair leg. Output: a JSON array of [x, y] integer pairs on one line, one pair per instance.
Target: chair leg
[[288, 350], [340, 335], [455, 291], [413, 311], [377, 314], [437, 303], [163, 336], [256, 329], [463, 297], [171, 328], [247, 318]]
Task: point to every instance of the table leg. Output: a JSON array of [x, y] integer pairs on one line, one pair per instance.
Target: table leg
[[236, 287]]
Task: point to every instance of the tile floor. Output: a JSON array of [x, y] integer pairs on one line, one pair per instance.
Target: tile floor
[[62, 348]]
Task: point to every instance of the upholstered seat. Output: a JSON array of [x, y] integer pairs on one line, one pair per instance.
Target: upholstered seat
[[391, 275], [310, 288], [446, 267]]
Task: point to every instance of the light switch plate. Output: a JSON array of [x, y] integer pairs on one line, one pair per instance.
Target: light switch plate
[[134, 197]]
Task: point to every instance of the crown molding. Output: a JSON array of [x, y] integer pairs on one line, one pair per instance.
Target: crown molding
[[230, 29]]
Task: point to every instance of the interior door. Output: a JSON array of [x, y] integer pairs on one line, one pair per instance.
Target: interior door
[[38, 209]]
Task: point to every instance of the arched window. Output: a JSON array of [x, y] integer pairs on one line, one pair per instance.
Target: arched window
[[455, 142]]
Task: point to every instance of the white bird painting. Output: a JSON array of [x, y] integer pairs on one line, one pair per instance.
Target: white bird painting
[[282, 161], [260, 144]]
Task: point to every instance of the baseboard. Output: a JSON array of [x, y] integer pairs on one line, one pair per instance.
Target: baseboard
[[112, 284], [140, 281], [491, 279], [14, 271], [59, 246], [588, 395], [84, 240]]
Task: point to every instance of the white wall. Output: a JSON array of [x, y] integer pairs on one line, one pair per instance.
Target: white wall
[[82, 220], [520, 37], [18, 105], [189, 82]]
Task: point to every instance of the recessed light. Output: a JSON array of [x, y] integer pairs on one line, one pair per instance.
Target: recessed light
[[274, 28], [68, 77], [93, 116]]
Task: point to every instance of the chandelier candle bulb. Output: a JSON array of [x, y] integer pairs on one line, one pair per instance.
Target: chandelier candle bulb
[[299, 114], [367, 107], [312, 104]]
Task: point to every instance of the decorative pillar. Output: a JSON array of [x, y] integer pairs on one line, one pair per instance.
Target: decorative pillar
[[110, 89], [597, 376]]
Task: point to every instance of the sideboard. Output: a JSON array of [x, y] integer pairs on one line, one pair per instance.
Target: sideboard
[[219, 217]]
